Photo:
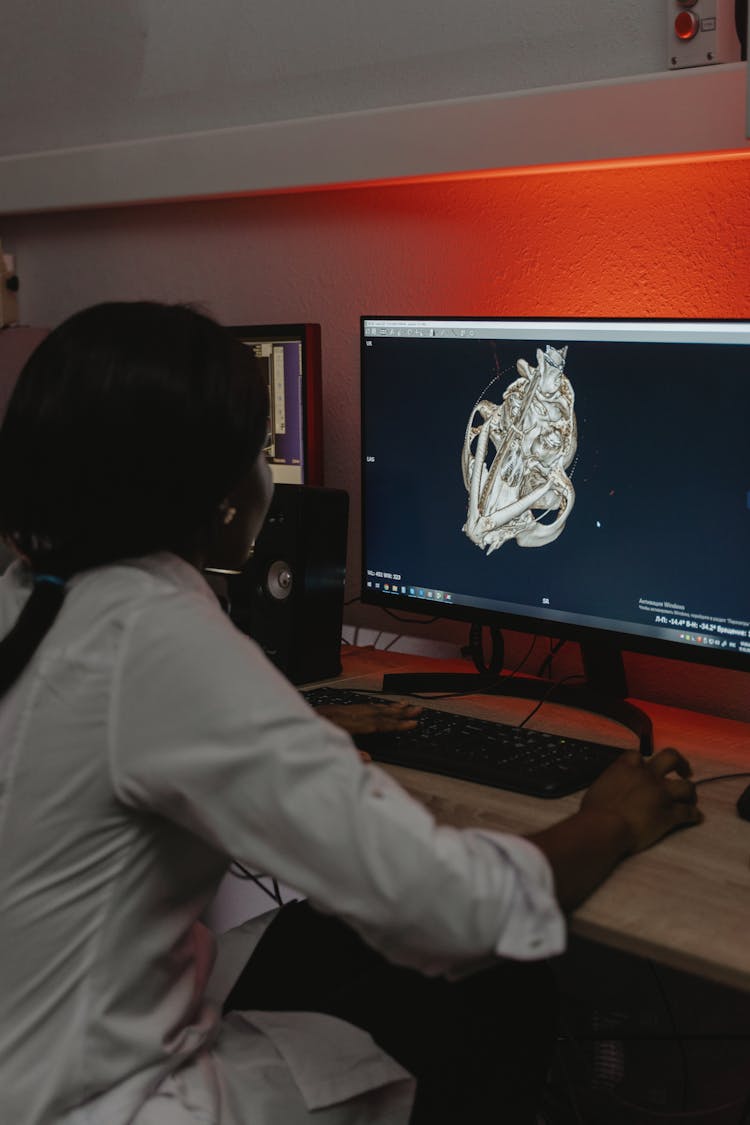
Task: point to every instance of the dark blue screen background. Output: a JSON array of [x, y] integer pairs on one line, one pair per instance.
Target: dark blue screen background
[[661, 475]]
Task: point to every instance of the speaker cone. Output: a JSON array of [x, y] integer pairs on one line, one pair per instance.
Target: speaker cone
[[279, 580]]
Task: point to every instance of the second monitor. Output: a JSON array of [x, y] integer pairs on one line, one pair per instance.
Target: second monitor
[[290, 355]]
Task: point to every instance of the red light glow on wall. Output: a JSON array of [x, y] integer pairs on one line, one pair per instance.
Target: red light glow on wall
[[666, 236]]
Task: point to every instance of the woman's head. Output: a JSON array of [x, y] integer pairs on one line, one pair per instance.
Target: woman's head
[[128, 428]]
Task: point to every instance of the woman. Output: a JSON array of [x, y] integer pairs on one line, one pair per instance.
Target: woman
[[144, 742]]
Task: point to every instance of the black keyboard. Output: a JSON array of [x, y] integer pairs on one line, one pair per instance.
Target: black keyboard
[[491, 753]]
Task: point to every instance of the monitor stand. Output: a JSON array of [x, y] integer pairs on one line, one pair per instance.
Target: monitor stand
[[602, 693]]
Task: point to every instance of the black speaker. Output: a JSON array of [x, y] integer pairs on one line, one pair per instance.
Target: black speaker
[[290, 595]]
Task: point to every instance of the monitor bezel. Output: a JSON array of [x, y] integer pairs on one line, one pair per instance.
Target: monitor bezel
[[587, 636], [312, 386]]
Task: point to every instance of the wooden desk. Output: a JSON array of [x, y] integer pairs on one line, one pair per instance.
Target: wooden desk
[[686, 901]]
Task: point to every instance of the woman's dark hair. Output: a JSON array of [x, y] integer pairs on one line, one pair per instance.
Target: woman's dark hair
[[127, 427]]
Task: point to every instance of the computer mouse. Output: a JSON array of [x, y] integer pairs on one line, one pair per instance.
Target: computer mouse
[[743, 804]]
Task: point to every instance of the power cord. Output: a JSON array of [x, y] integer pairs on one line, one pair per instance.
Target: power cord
[[398, 617], [547, 694], [411, 620], [547, 662], [720, 777], [240, 872]]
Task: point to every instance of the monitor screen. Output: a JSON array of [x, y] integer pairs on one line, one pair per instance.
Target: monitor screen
[[584, 478], [290, 354]]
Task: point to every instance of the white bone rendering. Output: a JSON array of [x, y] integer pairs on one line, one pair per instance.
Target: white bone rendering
[[534, 435]]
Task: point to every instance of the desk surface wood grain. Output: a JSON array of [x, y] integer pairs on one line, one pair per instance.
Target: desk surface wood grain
[[684, 902]]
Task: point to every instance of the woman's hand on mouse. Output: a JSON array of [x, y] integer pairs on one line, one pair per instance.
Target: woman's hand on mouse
[[630, 806], [651, 795]]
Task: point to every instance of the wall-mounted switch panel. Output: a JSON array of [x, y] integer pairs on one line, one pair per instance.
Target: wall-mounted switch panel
[[701, 33]]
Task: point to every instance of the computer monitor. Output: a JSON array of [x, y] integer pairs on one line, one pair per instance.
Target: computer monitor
[[290, 354], [585, 479]]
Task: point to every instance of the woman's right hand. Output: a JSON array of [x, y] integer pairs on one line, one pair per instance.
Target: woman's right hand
[[631, 805], [651, 795]]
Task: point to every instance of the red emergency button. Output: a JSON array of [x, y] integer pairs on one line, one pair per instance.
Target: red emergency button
[[686, 25]]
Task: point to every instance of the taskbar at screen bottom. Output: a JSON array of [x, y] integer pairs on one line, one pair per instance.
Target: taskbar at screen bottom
[[729, 638]]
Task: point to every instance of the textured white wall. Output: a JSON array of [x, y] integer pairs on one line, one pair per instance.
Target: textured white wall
[[105, 102], [86, 72]]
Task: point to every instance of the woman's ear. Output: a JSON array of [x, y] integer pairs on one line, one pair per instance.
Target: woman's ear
[[224, 553], [239, 518], [228, 512]]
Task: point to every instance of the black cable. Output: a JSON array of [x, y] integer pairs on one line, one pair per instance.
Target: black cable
[[720, 777], [518, 666], [546, 663], [547, 694], [410, 620], [243, 873], [475, 649]]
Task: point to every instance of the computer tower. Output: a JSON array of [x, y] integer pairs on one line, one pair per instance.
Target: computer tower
[[290, 596]]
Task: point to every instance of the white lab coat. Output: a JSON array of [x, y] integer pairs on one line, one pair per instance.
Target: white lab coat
[[147, 742]]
